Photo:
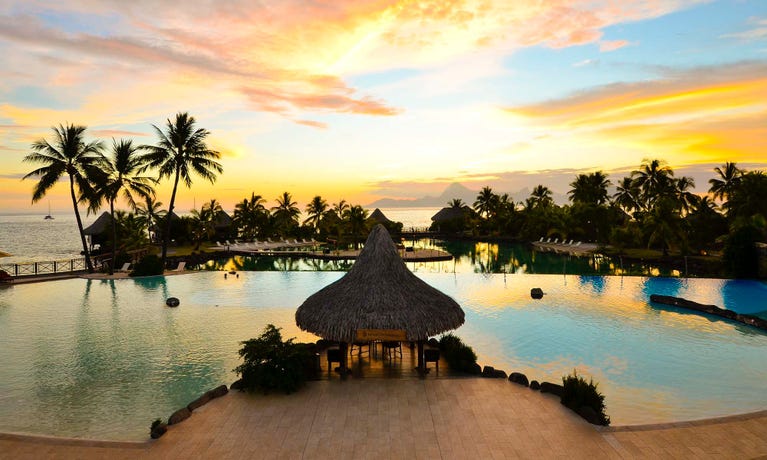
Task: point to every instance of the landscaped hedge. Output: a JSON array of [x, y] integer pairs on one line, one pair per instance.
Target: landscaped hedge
[[584, 398], [459, 356], [273, 364]]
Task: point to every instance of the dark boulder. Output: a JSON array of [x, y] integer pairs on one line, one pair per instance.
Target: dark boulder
[[536, 293], [199, 402], [158, 430], [500, 374], [236, 385], [589, 414], [474, 369], [488, 372], [518, 377], [172, 302], [553, 388], [534, 385], [179, 416], [217, 392]]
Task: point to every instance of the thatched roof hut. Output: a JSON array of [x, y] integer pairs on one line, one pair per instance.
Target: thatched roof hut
[[379, 292], [446, 214], [100, 225], [379, 217]]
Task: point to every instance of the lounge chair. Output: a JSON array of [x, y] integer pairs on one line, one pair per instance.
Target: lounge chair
[[556, 240], [577, 244], [548, 240], [541, 240], [180, 267], [125, 267]]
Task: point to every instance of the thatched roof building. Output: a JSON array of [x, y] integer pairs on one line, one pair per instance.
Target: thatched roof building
[[446, 214], [379, 217], [379, 292], [100, 225]]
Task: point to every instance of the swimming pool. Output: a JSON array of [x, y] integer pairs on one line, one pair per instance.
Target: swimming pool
[[102, 359]]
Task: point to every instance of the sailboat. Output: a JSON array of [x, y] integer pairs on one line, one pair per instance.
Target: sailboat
[[49, 216]]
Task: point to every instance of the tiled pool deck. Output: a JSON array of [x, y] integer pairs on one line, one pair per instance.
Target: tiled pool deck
[[409, 418]]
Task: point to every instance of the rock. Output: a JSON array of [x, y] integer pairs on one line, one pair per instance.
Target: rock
[[218, 392], [518, 377], [488, 372], [199, 402], [158, 430], [534, 385], [499, 374], [179, 416], [172, 302], [553, 388], [536, 293], [589, 414], [709, 309], [475, 369], [237, 385]]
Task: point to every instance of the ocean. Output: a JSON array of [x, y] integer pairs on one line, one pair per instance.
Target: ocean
[[30, 238]]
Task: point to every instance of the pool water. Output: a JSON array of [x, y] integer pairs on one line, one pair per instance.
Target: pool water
[[102, 359]]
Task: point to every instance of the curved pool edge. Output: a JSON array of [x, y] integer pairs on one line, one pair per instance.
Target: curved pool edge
[[686, 423], [66, 441]]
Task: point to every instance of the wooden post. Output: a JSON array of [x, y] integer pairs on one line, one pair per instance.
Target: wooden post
[[344, 351], [421, 367]]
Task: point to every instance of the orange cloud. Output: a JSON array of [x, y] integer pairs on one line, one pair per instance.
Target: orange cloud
[[607, 45]]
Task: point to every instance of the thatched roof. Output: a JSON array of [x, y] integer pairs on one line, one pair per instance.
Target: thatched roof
[[445, 214], [100, 225], [379, 217], [379, 292], [222, 220]]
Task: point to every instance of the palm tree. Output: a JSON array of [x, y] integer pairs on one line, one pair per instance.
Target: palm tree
[[150, 211], [589, 188], [653, 180], [456, 203], [181, 151], [340, 207], [70, 155], [541, 196], [355, 218], [484, 203], [729, 176], [248, 215], [121, 177], [315, 209], [286, 212], [686, 199], [204, 222], [627, 195]]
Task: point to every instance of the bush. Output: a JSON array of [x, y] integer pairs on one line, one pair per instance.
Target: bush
[[578, 393], [271, 364], [741, 258], [459, 356], [149, 265]]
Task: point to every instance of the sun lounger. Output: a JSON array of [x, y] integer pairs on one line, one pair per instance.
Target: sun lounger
[[180, 267], [548, 240], [125, 267], [541, 240], [556, 240]]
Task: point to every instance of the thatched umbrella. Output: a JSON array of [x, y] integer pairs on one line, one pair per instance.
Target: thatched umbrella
[[379, 292], [380, 217]]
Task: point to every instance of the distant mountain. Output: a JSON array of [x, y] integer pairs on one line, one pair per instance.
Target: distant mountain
[[452, 191]]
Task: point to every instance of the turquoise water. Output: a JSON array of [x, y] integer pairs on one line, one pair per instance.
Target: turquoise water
[[102, 359]]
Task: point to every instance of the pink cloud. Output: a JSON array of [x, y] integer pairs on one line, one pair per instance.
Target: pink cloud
[[612, 45]]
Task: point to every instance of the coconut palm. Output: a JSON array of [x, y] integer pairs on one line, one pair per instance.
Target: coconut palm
[[729, 175], [355, 218], [315, 209], [456, 203], [121, 177], [541, 196], [286, 212], [485, 201], [68, 154], [340, 207], [249, 214], [589, 188], [653, 180], [685, 198], [151, 213], [180, 152], [627, 195]]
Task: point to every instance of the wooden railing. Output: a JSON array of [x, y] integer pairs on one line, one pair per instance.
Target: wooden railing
[[44, 268]]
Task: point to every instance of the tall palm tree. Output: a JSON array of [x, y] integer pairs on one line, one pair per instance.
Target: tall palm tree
[[181, 151], [340, 207], [589, 188], [729, 175], [356, 222], [684, 196], [541, 196], [315, 209], [286, 212], [456, 203], [484, 203], [151, 212], [68, 154], [121, 177]]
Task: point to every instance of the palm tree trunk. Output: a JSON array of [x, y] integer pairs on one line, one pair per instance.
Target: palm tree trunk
[[114, 237], [88, 262], [166, 236]]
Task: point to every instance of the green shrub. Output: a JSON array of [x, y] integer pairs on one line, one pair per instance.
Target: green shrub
[[149, 265], [271, 364], [578, 393], [459, 356]]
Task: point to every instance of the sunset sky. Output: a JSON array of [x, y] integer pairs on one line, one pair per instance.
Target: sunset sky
[[369, 99]]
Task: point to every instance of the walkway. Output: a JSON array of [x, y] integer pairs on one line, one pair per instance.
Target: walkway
[[382, 418]]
